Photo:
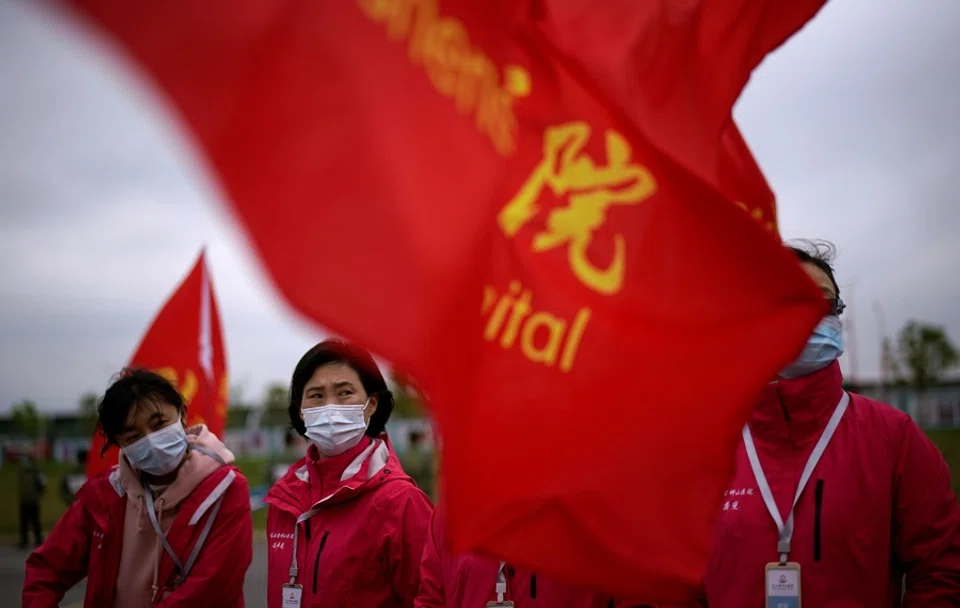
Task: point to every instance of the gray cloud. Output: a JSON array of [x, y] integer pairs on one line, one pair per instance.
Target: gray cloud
[[104, 211], [104, 208], [855, 124]]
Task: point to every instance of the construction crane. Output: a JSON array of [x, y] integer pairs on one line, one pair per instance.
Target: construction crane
[[885, 363]]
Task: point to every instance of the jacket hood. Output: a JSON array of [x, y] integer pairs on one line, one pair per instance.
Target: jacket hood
[[795, 411], [197, 467], [311, 480]]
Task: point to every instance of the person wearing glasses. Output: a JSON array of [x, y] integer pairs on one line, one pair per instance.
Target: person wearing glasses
[[835, 498]]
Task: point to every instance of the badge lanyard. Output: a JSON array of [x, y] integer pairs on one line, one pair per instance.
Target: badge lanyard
[[501, 582], [501, 589], [786, 529], [292, 592], [182, 569], [294, 569], [296, 533]]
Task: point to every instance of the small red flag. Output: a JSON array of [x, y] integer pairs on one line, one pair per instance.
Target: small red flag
[[185, 345], [537, 225]]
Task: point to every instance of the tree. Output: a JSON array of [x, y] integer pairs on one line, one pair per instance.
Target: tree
[[88, 411], [889, 363], [276, 397], [924, 353], [406, 399], [237, 393], [26, 418]]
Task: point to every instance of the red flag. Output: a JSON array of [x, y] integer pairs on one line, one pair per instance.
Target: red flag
[[401, 166], [184, 344], [739, 179]]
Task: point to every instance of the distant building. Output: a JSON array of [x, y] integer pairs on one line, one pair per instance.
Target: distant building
[[62, 437], [937, 407], [251, 432], [254, 432]]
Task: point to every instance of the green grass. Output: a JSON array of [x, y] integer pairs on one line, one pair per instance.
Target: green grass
[[255, 470], [948, 440], [52, 507], [260, 519]]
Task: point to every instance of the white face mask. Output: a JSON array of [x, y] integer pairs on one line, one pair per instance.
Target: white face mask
[[335, 428], [160, 452]]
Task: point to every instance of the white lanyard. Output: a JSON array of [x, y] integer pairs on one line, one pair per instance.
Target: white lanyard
[[182, 569], [294, 570], [501, 582], [786, 529], [296, 532]]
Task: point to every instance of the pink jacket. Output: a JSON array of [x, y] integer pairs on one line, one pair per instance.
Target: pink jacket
[[105, 537], [878, 506], [469, 581], [142, 549], [363, 546]]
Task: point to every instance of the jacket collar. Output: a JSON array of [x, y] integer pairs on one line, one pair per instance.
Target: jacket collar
[[310, 482], [103, 493], [104, 498], [326, 475], [795, 411]]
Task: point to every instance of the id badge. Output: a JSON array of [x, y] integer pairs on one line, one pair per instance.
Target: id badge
[[291, 595], [783, 585], [503, 604]]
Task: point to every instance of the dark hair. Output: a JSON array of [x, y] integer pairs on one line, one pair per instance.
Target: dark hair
[[134, 388], [822, 255], [360, 361]]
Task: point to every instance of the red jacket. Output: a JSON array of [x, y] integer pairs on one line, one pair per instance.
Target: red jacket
[[469, 581], [878, 506], [363, 546], [87, 541]]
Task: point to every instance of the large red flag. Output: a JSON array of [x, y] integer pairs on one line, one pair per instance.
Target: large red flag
[[401, 165], [184, 344]]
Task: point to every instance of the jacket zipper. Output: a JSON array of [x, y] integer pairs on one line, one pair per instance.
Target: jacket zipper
[[316, 561], [783, 406], [818, 515], [533, 586]]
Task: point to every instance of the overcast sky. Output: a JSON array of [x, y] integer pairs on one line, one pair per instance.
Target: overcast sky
[[103, 210]]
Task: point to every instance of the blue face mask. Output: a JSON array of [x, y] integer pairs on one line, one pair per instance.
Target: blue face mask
[[823, 348], [160, 452]]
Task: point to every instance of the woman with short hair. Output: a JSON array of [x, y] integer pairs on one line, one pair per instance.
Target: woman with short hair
[[345, 525], [168, 526]]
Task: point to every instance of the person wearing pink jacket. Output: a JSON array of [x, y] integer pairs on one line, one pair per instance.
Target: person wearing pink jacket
[[467, 580], [168, 526], [836, 500], [345, 525]]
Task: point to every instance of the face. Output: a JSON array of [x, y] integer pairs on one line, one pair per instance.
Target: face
[[143, 420], [823, 281], [337, 384]]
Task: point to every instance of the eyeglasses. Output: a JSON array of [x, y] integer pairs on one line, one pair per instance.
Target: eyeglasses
[[836, 305]]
